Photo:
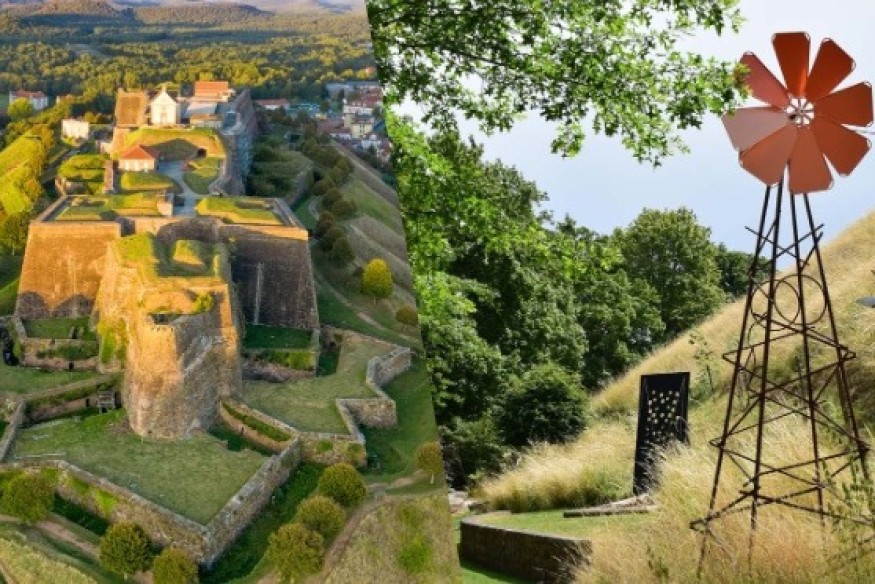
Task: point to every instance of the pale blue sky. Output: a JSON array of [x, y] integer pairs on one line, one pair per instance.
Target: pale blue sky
[[604, 188]]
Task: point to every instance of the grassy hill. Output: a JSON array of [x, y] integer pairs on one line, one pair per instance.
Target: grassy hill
[[598, 466]]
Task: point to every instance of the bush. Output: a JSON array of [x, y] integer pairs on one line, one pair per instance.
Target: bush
[[344, 484], [551, 401], [173, 566], [377, 279], [321, 514], [325, 222], [296, 551], [429, 459], [331, 197], [322, 186], [335, 233], [407, 315], [415, 555], [125, 549], [28, 497], [343, 208], [341, 252], [203, 303]]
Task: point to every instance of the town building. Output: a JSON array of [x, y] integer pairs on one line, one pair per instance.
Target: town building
[[138, 159], [75, 129], [37, 99]]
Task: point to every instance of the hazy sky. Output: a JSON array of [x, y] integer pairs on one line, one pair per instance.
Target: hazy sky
[[604, 188]]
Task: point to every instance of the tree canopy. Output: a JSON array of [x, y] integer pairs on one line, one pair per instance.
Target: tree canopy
[[615, 67]]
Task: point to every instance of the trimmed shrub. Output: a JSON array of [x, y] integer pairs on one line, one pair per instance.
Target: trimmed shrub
[[322, 186], [296, 551], [344, 484], [321, 514], [407, 315], [28, 497], [125, 549], [325, 222], [335, 233], [173, 566], [331, 197], [341, 252], [377, 279], [343, 208]]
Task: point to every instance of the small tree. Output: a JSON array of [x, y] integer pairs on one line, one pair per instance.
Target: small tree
[[407, 315], [321, 514], [20, 109], [377, 279], [28, 497], [125, 549], [429, 459], [296, 550], [173, 566], [344, 484], [325, 222]]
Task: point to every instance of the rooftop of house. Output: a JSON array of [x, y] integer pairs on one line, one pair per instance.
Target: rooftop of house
[[139, 153], [27, 94]]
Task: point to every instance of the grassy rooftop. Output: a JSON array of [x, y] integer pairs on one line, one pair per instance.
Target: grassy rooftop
[[244, 210], [178, 144], [107, 208], [186, 259]]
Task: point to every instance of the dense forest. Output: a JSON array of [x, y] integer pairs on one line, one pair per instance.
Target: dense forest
[[525, 316], [57, 47]]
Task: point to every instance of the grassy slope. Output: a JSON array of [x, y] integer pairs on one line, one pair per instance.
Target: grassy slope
[[178, 144], [602, 459], [10, 271], [308, 404], [395, 448], [179, 475], [373, 553]]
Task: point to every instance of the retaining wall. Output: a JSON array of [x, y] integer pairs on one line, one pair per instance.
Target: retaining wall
[[12, 429], [535, 557], [204, 543]]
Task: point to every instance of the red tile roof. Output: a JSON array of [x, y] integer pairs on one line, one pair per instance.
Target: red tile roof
[[207, 88], [139, 153], [21, 94]]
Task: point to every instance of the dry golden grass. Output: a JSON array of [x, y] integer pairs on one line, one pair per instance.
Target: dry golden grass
[[791, 547]]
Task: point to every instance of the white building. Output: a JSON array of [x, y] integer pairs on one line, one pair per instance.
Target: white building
[[164, 111], [37, 99], [138, 159], [75, 129]]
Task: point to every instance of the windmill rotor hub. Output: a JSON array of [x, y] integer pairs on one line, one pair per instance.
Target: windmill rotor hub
[[800, 111]]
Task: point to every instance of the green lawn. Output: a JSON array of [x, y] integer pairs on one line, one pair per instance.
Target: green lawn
[[141, 204], [395, 448], [58, 328], [308, 404], [194, 477], [145, 181], [27, 379], [239, 210], [10, 271], [370, 203], [553, 522], [302, 212], [245, 558], [88, 169], [259, 336], [205, 172]]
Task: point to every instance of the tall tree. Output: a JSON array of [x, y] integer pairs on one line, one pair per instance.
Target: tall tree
[[614, 66], [672, 254]]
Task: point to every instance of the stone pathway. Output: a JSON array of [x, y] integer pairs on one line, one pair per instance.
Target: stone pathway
[[176, 171]]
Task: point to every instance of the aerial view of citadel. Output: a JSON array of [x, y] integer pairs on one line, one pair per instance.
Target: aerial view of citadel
[[206, 312]]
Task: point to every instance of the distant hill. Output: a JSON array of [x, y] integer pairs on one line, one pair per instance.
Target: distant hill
[[117, 7]]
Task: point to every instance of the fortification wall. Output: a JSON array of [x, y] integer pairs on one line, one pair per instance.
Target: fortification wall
[[274, 276], [63, 267], [204, 543]]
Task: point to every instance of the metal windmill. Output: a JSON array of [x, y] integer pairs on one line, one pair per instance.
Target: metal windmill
[[786, 144]]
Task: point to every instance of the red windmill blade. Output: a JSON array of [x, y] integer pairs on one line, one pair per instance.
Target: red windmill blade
[[805, 121]]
